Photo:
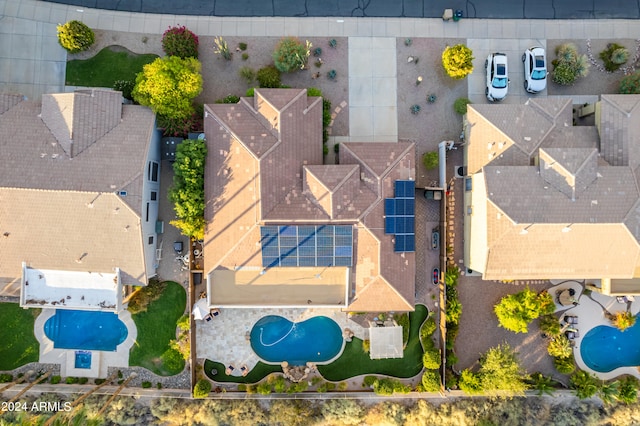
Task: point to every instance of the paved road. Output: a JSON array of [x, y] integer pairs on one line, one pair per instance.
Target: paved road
[[511, 9]]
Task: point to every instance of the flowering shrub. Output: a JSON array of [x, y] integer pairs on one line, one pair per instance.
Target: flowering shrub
[[75, 36], [179, 41]]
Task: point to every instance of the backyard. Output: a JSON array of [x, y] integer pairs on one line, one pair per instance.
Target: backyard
[[156, 328], [19, 345]]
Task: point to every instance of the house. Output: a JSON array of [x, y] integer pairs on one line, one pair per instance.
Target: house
[[78, 199], [285, 230], [549, 200]]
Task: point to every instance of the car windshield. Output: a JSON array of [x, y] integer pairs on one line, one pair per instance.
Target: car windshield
[[499, 83], [539, 61], [501, 69], [538, 74]]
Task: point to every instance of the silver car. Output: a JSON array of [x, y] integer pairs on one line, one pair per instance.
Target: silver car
[[535, 69], [497, 76]]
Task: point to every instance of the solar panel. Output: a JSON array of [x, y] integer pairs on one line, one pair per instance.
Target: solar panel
[[400, 215], [292, 246]]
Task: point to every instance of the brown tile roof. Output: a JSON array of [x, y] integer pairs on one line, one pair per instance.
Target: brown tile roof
[[569, 170], [285, 183], [36, 166], [620, 129], [8, 101]]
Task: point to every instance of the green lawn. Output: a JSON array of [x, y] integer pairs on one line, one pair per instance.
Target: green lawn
[[259, 372], [19, 345], [156, 327], [105, 68], [354, 361]]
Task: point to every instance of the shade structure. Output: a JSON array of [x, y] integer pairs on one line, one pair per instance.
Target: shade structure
[[200, 309], [386, 342]]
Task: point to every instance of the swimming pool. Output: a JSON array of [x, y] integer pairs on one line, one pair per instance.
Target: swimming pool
[[276, 339], [100, 331], [605, 348]]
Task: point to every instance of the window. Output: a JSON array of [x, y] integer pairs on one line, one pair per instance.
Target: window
[[147, 212], [152, 173], [151, 240], [154, 196]]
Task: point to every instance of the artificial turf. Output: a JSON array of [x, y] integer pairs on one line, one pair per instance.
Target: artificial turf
[[354, 361], [156, 327], [105, 68], [19, 345]]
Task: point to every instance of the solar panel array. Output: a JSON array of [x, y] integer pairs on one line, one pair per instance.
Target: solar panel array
[[400, 216], [325, 245]]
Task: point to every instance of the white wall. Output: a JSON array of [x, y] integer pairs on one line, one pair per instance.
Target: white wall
[[150, 190]]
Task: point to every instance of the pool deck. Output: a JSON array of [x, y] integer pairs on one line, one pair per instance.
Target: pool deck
[[225, 338], [100, 360], [591, 314]]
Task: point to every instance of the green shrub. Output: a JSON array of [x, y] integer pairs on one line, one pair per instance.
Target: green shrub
[[585, 384], [298, 387], [245, 56], [331, 75], [248, 74], [242, 387], [242, 46], [630, 84], [263, 388], [83, 380], [141, 298], [229, 99], [6, 378], [389, 387], [430, 160], [516, 311], [628, 390], [366, 344], [326, 387], [181, 126], [431, 381], [126, 87], [460, 105], [314, 91], [99, 381], [564, 74], [75, 36], [550, 325], [202, 388], [268, 77], [431, 359], [457, 61], [172, 360], [179, 41], [428, 328], [369, 380], [71, 380], [222, 48], [120, 375], [560, 347], [146, 385], [159, 385], [250, 92], [624, 320], [333, 43], [317, 52], [415, 109], [55, 380], [336, 148], [614, 56], [291, 54], [569, 65]]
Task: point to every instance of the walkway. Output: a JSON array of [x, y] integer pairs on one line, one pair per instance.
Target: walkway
[[558, 9]]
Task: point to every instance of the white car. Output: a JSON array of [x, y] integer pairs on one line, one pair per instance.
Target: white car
[[535, 69], [497, 77]]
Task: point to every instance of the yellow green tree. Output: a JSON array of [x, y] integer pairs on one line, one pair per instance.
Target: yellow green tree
[[624, 320], [168, 86], [457, 61], [516, 311]]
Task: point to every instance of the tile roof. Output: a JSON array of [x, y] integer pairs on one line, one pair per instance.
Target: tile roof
[[49, 190], [569, 170], [282, 181], [620, 129]]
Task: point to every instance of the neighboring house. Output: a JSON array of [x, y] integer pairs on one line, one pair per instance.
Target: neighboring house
[[285, 230], [79, 187], [548, 200]]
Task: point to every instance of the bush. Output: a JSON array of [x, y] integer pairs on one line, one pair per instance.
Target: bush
[[245, 56], [250, 92], [314, 92], [159, 385], [333, 43], [291, 54], [431, 359], [202, 388], [268, 77], [614, 56], [560, 347], [83, 380], [222, 48], [366, 344], [430, 160], [389, 387], [6, 378], [263, 388], [624, 320], [141, 298], [628, 390], [146, 385], [55, 380], [181, 126], [460, 105], [470, 383], [242, 46], [331, 75], [71, 380], [99, 381], [124, 86], [569, 65], [564, 74], [179, 41], [248, 75], [75, 36], [172, 360], [630, 84], [431, 381], [457, 61], [229, 99], [550, 325], [516, 311], [368, 381], [585, 384]]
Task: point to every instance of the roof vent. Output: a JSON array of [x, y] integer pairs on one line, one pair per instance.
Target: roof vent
[[122, 193]]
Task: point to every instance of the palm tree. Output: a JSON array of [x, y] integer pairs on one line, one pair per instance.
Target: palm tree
[[624, 320], [608, 392], [560, 347], [543, 384], [585, 384]]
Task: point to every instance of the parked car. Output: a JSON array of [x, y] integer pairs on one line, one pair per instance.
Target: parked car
[[497, 76], [436, 276], [535, 69]]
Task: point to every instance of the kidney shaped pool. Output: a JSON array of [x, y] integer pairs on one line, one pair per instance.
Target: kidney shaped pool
[[605, 348], [276, 339]]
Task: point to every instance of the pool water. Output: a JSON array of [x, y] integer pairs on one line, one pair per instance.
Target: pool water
[[83, 359], [100, 331], [276, 339], [605, 348]]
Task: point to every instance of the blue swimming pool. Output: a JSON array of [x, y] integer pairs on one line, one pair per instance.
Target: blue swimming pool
[[276, 339], [100, 331], [606, 348]]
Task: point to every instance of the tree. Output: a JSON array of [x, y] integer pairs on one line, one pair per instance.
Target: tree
[[550, 325], [516, 311], [168, 86], [430, 160], [202, 388], [342, 411], [187, 192], [431, 381], [431, 359], [585, 384], [290, 412], [628, 390], [609, 392], [564, 365], [543, 384], [179, 41], [291, 54], [624, 320], [560, 347], [470, 382], [457, 61], [75, 36], [630, 84], [386, 413], [501, 373]]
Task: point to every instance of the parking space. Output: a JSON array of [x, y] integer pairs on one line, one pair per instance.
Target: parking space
[[513, 49]]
